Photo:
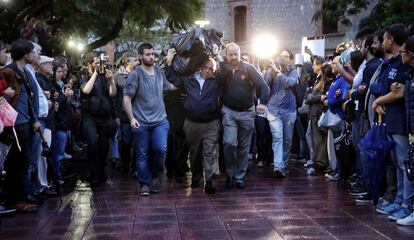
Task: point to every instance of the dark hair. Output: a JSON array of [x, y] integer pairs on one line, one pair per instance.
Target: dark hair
[[327, 72], [144, 46], [379, 34], [90, 56], [398, 33], [319, 60], [364, 32], [368, 44], [409, 44], [19, 48], [356, 59], [291, 56]]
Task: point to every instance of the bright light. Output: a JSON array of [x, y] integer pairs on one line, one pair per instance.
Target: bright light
[[80, 47], [202, 23], [71, 43], [264, 46]]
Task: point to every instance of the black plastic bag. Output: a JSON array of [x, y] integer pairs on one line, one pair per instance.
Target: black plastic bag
[[193, 48]]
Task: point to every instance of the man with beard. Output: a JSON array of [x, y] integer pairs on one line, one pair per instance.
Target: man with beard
[[144, 106], [239, 79], [392, 105], [24, 102]]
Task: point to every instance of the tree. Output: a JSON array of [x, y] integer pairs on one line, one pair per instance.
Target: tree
[[100, 19], [384, 13]]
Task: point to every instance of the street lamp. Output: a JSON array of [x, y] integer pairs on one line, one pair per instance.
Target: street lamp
[[202, 23], [76, 45]]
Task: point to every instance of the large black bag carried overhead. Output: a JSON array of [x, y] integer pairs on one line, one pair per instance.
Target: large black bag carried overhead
[[193, 48]]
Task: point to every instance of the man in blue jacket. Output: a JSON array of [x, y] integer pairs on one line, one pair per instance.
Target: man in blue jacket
[[202, 123]]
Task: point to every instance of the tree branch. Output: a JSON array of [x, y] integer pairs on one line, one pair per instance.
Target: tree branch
[[115, 29]]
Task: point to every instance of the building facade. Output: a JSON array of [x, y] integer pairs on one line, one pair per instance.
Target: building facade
[[287, 20]]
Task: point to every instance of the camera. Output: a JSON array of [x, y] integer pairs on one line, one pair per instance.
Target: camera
[[101, 69]]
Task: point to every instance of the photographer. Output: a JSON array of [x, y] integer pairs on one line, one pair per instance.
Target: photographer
[[98, 123]]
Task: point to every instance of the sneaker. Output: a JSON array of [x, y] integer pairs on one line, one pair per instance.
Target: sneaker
[[357, 190], [303, 160], [399, 214], [333, 176], [144, 190], [208, 188], [279, 174], [5, 210], [155, 185], [310, 171], [26, 207], [260, 164], [407, 221], [308, 163], [240, 184], [364, 200], [77, 148], [387, 210], [67, 156]]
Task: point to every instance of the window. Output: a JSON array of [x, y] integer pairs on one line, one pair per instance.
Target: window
[[240, 24]]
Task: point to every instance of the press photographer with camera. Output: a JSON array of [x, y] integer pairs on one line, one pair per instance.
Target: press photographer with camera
[[98, 115]]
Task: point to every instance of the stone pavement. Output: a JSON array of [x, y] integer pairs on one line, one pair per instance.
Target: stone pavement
[[297, 207]]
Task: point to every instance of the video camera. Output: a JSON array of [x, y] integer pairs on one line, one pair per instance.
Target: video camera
[[101, 68]]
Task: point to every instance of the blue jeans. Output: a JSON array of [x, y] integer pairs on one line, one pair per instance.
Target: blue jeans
[[154, 139], [60, 138], [405, 187], [115, 145], [282, 134]]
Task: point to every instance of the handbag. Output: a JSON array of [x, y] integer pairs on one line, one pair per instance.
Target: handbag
[[329, 121], [8, 117]]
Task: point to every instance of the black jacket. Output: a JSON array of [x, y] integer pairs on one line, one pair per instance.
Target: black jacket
[[409, 103]]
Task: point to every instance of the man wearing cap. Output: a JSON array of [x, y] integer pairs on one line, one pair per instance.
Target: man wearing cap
[[44, 72]]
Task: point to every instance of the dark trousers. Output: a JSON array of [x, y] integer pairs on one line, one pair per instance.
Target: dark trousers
[[97, 133], [177, 153], [17, 163], [264, 140], [126, 145]]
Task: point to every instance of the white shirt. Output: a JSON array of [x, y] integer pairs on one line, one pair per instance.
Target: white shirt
[[43, 104], [200, 80], [359, 75]]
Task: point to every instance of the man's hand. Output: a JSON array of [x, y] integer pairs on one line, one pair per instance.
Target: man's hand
[[261, 108], [170, 56], [396, 87], [308, 51], [325, 103], [118, 121], [36, 126], [56, 95], [109, 74], [323, 98], [338, 93], [378, 108], [134, 123], [362, 89], [275, 68]]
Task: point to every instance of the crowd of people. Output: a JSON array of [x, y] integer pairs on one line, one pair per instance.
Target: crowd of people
[[147, 117]]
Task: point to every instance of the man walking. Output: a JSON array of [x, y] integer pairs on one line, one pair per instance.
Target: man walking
[[239, 79]]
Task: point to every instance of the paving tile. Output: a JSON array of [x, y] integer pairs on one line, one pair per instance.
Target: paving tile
[[205, 235], [267, 234]]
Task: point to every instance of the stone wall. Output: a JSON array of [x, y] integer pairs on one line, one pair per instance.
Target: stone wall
[[287, 20]]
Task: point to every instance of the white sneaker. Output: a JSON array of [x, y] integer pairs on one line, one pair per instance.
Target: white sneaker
[[408, 221], [308, 163], [67, 156], [260, 164], [310, 171]]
